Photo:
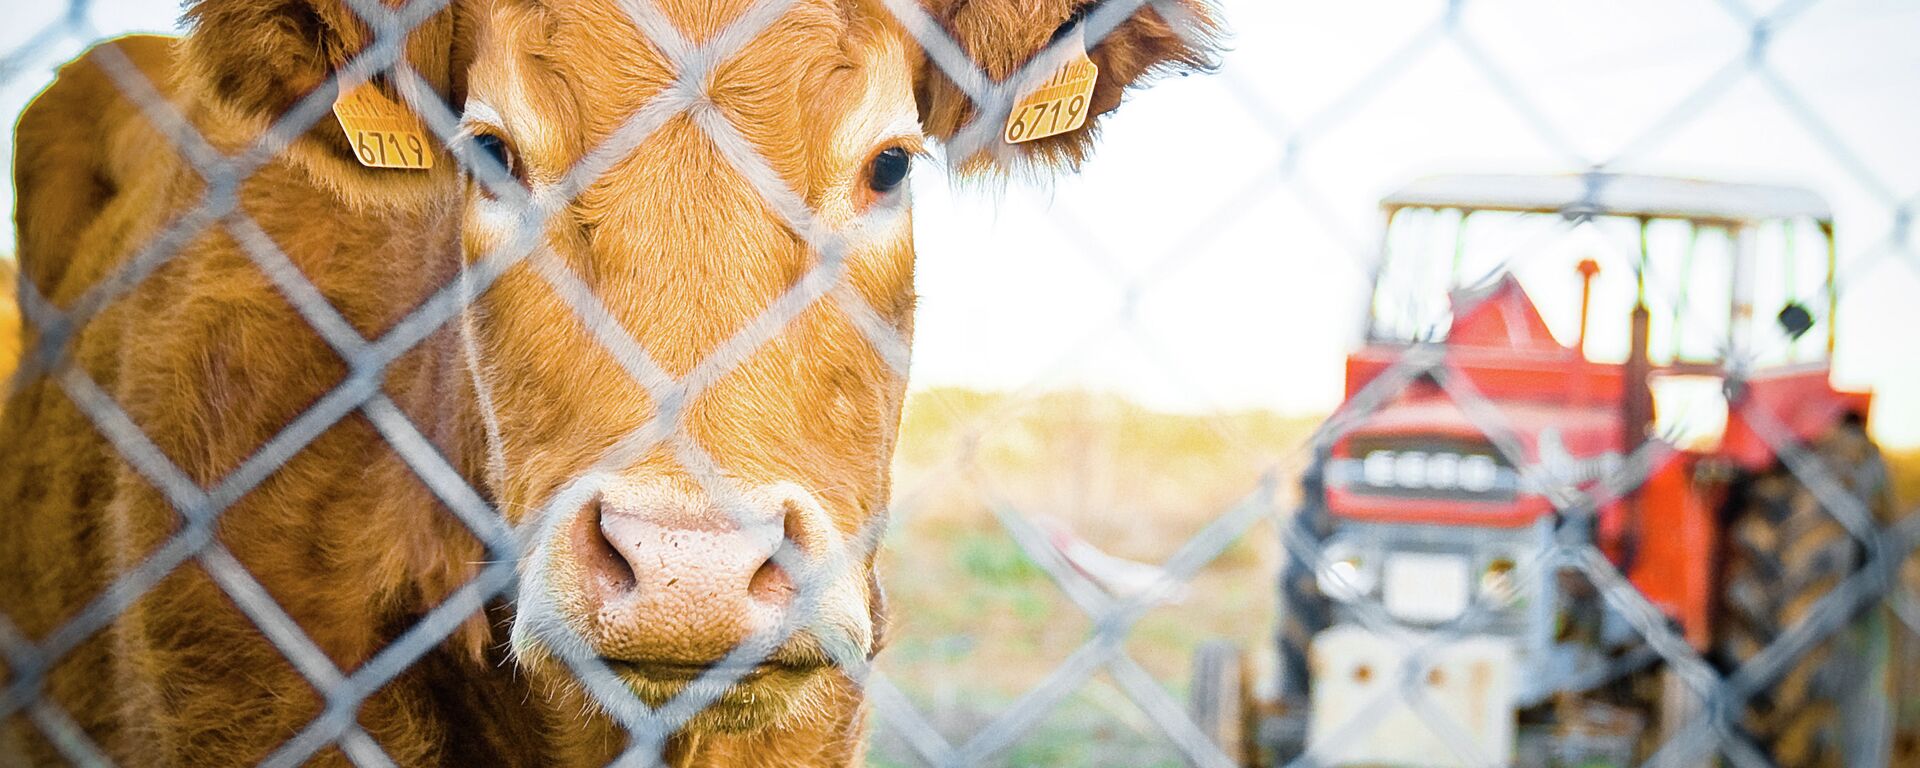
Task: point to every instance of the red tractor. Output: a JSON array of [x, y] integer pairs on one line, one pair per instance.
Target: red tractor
[[1545, 378]]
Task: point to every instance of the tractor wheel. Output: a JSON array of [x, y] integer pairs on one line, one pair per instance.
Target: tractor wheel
[[1303, 611], [1219, 700], [1784, 552]]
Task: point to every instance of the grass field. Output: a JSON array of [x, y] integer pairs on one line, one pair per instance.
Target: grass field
[[977, 624], [1905, 466]]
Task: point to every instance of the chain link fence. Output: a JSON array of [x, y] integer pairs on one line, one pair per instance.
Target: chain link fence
[[1715, 727]]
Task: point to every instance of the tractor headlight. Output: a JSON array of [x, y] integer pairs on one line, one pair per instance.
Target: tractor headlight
[[1499, 581], [1347, 573]]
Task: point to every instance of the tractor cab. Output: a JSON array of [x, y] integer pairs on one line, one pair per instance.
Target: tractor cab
[[1610, 304], [1655, 286], [1595, 359]]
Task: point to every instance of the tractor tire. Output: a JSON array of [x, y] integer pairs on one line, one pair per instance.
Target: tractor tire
[[1303, 611], [1783, 552], [1219, 701]]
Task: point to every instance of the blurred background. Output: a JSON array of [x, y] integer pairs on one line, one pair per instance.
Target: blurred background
[[1127, 352]]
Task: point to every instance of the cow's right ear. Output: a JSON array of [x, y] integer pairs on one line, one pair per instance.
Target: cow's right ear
[[259, 58], [1001, 36]]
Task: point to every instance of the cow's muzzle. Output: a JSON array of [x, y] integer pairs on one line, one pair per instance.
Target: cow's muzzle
[[675, 582]]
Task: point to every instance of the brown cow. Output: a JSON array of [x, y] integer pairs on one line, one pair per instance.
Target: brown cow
[[635, 554]]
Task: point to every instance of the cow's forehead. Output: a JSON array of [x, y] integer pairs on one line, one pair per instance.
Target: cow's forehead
[[701, 20], [619, 36], [569, 75], [612, 64]]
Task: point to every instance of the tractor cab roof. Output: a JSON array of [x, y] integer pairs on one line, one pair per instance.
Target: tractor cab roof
[[1613, 194]]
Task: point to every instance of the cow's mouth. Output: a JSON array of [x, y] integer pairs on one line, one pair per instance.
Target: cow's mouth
[[728, 698], [683, 672]]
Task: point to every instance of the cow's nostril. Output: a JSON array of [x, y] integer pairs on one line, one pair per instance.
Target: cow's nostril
[[773, 581], [606, 568], [795, 533], [770, 583]]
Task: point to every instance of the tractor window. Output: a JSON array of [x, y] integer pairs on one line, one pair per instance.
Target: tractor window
[[1692, 272], [1790, 293], [1550, 273], [1410, 298], [1689, 290], [1431, 254]]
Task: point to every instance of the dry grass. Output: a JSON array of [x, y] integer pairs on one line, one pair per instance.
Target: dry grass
[[1905, 468], [977, 624]]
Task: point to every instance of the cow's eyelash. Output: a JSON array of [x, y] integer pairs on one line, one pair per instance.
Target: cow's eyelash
[[912, 143], [480, 113], [469, 128], [480, 140]]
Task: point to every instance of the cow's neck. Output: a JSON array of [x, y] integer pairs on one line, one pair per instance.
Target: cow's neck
[[378, 270]]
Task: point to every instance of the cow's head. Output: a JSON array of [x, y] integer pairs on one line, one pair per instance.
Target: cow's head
[[656, 502]]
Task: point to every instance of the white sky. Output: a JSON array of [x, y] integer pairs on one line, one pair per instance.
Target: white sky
[[1189, 268]]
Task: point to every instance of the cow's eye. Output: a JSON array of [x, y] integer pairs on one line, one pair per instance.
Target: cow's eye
[[889, 170], [492, 148]]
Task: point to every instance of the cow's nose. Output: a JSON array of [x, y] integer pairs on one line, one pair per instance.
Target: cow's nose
[[676, 580]]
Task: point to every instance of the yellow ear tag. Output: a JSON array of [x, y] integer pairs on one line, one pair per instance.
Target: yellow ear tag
[[383, 134], [1059, 103]]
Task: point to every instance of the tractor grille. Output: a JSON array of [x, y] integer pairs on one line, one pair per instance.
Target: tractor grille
[[1396, 558], [1440, 468]]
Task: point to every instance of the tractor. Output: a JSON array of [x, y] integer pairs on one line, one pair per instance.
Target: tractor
[[1574, 389]]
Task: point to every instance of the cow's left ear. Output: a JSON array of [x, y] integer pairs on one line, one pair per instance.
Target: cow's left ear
[[1001, 36], [257, 59]]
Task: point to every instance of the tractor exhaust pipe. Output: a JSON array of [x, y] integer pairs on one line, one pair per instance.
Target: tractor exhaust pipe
[[1637, 404], [1588, 269]]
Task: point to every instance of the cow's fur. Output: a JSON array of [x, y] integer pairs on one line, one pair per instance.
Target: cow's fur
[[210, 361], [9, 320]]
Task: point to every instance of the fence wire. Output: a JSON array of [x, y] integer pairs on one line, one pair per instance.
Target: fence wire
[[1714, 728]]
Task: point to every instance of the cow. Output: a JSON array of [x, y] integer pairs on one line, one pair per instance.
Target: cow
[[238, 463], [9, 321]]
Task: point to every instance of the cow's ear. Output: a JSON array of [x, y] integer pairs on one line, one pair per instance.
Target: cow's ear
[[1001, 36], [258, 59]]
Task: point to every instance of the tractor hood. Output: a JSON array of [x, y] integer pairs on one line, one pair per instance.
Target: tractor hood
[[1420, 458], [1501, 316]]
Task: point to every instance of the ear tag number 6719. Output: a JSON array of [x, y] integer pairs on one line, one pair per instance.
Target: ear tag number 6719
[[1058, 103], [383, 134]]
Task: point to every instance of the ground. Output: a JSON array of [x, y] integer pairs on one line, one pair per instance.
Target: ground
[[977, 624]]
